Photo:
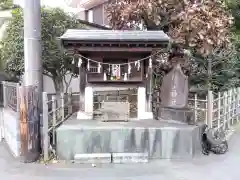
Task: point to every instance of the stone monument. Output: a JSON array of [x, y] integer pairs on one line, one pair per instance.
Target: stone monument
[[174, 97]]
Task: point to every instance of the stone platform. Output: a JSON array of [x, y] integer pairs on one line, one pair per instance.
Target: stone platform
[[159, 139]]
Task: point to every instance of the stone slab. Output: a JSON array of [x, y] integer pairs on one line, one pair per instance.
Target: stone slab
[[120, 158], [96, 158], [183, 115], [158, 138]]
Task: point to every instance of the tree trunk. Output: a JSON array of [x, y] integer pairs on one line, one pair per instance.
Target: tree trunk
[[58, 85]]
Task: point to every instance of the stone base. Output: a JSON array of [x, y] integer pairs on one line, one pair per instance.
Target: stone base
[[160, 140], [145, 115], [183, 115], [83, 116]]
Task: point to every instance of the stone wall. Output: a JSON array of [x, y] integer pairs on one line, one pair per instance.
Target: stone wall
[[11, 130]]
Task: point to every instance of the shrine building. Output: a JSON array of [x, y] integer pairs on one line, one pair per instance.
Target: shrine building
[[114, 59]]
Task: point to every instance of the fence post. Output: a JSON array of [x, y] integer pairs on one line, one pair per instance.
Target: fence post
[[195, 107], [210, 109], [2, 112], [18, 98], [219, 110], [238, 99], [234, 106], [62, 106], [45, 126], [229, 107], [54, 114], [225, 106], [70, 101], [4, 94], [206, 112]]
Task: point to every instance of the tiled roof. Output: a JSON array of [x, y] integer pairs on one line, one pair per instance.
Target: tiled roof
[[114, 35]]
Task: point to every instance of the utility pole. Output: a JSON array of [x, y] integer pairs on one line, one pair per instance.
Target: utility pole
[[32, 78], [32, 44]]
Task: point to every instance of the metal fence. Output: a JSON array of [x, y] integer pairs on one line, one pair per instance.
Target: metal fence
[[56, 109], [11, 95]]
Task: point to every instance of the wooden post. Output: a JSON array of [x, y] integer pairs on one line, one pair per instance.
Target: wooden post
[[238, 104], [219, 110], [54, 122], [225, 103], [23, 123], [210, 109], [229, 108], [195, 107], [62, 106], [70, 101], [45, 126]]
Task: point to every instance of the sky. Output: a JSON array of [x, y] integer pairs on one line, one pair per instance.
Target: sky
[[52, 3]]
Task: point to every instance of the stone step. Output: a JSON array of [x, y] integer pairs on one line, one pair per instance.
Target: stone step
[[129, 158], [95, 158], [106, 158]]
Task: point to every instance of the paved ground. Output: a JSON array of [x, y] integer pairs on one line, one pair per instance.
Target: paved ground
[[213, 167]]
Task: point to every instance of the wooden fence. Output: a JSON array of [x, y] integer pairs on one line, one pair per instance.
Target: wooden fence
[[217, 110]]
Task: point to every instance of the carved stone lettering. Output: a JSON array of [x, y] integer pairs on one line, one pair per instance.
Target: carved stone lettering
[[174, 90]]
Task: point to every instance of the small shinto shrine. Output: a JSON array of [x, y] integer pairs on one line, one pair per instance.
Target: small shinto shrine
[[114, 60], [120, 60]]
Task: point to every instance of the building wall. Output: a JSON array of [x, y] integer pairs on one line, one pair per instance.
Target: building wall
[[99, 15], [48, 85], [54, 4], [11, 132]]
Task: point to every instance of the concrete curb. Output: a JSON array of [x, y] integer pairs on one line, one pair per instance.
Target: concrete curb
[[231, 131]]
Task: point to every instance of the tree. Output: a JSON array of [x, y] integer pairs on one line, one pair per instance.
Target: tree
[[203, 25], [56, 64], [6, 4]]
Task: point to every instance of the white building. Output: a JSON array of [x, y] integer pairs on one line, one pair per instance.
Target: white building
[[63, 4]]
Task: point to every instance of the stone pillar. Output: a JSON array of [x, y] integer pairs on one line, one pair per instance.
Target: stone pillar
[[142, 104], [89, 99], [88, 105]]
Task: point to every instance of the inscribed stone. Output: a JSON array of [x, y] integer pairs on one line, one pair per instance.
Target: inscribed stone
[[174, 89]]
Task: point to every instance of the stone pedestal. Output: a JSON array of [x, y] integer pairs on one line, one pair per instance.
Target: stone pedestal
[[181, 115], [157, 139]]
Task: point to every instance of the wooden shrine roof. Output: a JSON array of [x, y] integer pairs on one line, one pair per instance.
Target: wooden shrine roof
[[117, 36]]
